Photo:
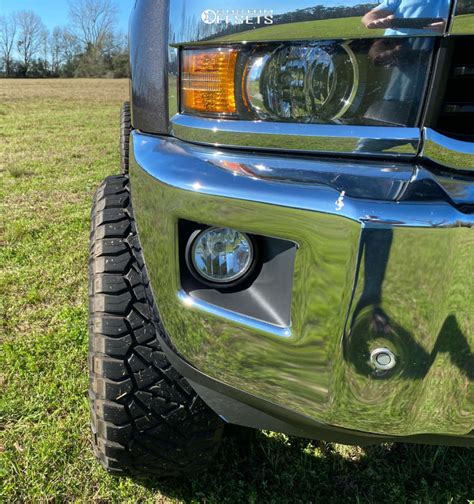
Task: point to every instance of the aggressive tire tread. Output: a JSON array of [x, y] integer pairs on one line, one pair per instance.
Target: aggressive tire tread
[[146, 418], [125, 129]]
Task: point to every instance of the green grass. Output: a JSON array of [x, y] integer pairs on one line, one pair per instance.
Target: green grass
[[317, 29], [463, 24], [58, 140]]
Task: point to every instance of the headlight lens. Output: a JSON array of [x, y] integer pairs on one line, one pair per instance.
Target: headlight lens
[[360, 82], [222, 255], [304, 82]]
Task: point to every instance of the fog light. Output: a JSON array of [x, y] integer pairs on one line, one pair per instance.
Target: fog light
[[222, 255]]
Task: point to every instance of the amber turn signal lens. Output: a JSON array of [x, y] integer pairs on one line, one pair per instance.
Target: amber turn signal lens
[[207, 81]]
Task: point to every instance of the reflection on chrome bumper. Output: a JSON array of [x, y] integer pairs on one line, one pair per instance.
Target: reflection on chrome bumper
[[384, 260], [448, 152]]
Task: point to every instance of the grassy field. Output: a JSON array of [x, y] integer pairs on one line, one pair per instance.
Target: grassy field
[[317, 29], [463, 24], [352, 27], [58, 140]]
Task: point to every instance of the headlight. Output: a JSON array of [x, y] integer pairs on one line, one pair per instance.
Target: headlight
[[303, 82], [358, 82]]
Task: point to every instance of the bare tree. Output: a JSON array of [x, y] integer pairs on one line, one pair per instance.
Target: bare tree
[[30, 37], [93, 21], [63, 47], [44, 37], [55, 49], [8, 29], [70, 46]]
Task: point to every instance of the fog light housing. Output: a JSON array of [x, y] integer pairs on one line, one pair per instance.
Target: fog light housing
[[221, 255]]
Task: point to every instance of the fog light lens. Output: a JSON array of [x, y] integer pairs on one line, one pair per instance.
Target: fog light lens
[[222, 255]]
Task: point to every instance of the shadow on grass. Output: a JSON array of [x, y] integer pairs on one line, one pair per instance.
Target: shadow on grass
[[253, 466]]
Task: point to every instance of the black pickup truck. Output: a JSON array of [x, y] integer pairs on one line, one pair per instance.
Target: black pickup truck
[[290, 244]]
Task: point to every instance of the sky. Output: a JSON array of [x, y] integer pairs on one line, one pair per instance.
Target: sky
[[55, 12]]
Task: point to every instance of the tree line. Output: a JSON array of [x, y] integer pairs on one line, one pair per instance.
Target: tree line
[[88, 46]]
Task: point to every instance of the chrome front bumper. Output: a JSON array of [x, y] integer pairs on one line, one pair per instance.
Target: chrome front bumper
[[385, 259]]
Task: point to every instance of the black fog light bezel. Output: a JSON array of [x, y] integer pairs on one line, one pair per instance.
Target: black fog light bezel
[[265, 293]]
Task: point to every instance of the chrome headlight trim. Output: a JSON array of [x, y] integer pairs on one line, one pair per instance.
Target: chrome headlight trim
[[298, 137], [254, 71], [355, 67]]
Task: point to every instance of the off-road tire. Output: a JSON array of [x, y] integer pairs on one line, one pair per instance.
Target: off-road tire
[[146, 418], [125, 129]]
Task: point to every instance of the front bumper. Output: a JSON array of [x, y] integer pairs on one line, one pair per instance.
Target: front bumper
[[384, 259]]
